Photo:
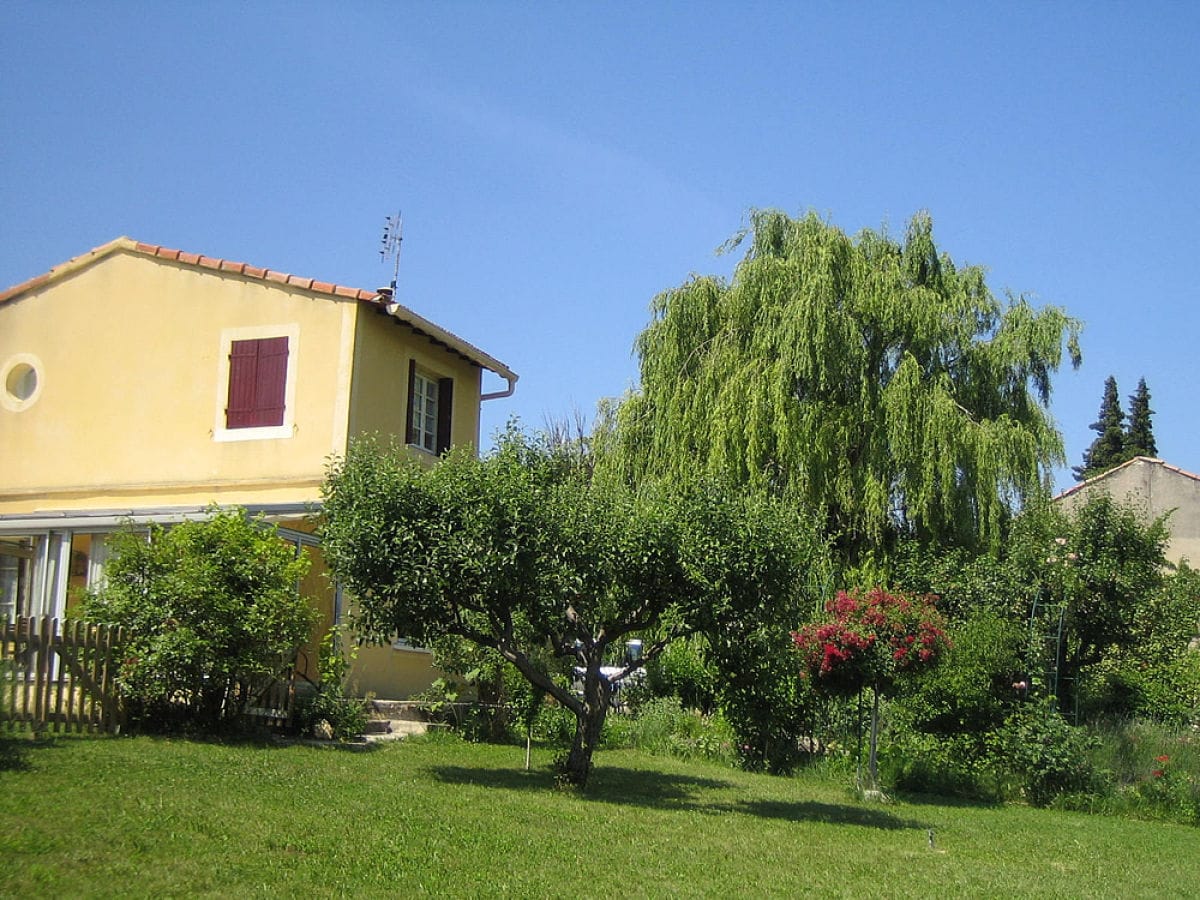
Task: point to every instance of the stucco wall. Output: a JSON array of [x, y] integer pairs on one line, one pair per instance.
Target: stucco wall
[[379, 393], [390, 674], [1156, 489], [130, 397]]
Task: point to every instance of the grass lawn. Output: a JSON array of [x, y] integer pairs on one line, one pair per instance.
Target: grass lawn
[[143, 816]]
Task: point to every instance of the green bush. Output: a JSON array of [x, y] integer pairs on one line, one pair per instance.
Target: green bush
[[1168, 792], [663, 727], [681, 671], [948, 766], [211, 613], [346, 716], [1156, 770], [554, 725], [1046, 757], [770, 706], [1156, 676], [972, 691]]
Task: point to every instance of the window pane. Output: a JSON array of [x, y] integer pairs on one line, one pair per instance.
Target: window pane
[[424, 412]]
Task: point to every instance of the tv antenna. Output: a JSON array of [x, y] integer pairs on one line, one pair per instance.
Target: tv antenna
[[389, 245]]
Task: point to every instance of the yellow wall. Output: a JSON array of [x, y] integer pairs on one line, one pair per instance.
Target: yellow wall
[[128, 413], [318, 587], [129, 352], [391, 674], [379, 394], [379, 404]]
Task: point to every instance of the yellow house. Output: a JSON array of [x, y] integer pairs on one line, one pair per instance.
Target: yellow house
[[144, 384]]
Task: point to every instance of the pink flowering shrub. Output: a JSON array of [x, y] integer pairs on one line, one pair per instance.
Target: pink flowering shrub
[[870, 639]]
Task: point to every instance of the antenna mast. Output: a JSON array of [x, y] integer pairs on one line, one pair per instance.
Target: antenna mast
[[389, 246]]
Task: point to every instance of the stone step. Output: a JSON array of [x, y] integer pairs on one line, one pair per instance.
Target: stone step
[[397, 710], [393, 729]]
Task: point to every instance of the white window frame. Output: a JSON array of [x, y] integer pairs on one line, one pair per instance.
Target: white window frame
[[12, 402], [220, 431], [425, 399]]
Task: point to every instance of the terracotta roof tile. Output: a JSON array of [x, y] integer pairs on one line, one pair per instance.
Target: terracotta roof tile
[[417, 323], [24, 286]]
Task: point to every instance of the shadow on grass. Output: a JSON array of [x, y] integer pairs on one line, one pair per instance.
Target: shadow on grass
[[264, 741], [510, 779], [16, 748], [630, 787], [642, 787], [924, 799], [830, 813], [667, 791]]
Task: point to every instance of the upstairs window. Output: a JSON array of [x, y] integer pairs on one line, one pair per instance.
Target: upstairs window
[[429, 405], [255, 388], [257, 383], [424, 413]]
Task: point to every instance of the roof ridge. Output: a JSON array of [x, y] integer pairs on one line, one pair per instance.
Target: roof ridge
[[1153, 460], [220, 264]]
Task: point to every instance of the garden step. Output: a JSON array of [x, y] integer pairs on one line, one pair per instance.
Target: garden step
[[393, 729], [397, 710]]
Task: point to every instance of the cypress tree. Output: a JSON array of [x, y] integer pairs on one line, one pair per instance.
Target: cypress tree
[[1108, 449], [1139, 438]]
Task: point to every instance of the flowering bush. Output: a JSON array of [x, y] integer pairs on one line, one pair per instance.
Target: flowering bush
[[1169, 792], [870, 640]]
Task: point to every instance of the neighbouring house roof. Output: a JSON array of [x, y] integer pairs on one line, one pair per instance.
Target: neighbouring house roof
[[380, 299], [1083, 485]]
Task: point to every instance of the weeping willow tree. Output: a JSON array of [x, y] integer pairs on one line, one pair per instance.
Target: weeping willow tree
[[868, 379]]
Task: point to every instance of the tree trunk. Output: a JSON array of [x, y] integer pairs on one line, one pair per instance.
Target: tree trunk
[[872, 758], [589, 722]]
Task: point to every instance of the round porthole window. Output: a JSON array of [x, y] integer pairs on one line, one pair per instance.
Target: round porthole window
[[22, 382]]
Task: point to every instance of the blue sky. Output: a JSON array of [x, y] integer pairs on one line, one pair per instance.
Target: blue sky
[[560, 164]]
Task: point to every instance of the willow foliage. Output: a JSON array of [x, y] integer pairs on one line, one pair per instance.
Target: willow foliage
[[869, 379]]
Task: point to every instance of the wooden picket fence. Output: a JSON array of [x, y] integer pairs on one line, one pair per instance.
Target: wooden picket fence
[[60, 676], [275, 704]]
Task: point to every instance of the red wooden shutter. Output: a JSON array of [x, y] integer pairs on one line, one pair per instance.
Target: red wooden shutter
[[243, 364], [444, 404], [271, 386], [257, 382]]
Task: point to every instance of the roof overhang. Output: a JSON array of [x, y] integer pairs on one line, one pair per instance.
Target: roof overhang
[[109, 519]]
